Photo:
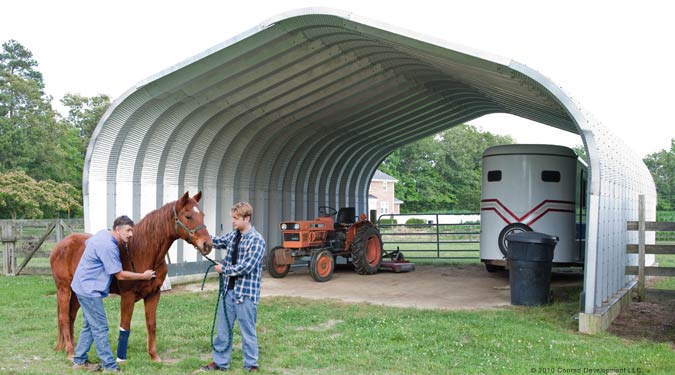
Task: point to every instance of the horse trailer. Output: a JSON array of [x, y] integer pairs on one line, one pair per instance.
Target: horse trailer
[[528, 187]]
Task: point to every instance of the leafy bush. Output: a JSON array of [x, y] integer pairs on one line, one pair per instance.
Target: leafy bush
[[388, 222], [668, 216], [415, 221]]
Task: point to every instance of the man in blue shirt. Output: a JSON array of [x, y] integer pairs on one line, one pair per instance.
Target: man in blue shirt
[[242, 270], [91, 283]]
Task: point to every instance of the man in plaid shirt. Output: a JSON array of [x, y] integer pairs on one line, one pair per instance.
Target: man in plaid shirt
[[242, 268]]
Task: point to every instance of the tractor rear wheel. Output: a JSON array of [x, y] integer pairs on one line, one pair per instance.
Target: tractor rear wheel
[[321, 265], [367, 250], [275, 270]]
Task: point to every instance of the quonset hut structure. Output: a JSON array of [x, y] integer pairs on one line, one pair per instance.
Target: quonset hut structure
[[300, 111]]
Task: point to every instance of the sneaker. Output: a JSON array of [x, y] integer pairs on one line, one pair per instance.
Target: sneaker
[[252, 368], [87, 366], [211, 367]]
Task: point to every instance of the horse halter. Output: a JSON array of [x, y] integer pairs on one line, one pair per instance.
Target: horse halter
[[189, 231]]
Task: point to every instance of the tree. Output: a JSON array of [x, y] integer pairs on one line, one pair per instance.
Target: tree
[[441, 172], [23, 197], [19, 196], [662, 167], [21, 86], [33, 138], [461, 169], [84, 113], [414, 167], [30, 135], [60, 199], [18, 61]]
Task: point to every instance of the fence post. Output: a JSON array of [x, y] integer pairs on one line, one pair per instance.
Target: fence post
[[8, 246], [59, 230], [641, 247], [438, 238]]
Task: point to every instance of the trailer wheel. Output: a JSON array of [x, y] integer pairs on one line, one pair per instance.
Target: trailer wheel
[[367, 250], [508, 230], [321, 265], [275, 270]]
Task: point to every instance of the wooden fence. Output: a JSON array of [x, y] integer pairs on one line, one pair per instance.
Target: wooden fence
[[642, 249], [25, 241]]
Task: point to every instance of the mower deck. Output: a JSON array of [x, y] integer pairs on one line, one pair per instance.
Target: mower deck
[[401, 266]]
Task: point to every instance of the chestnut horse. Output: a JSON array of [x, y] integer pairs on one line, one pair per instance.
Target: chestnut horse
[[147, 249]]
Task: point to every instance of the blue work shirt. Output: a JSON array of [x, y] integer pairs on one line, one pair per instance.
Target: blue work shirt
[[101, 260]]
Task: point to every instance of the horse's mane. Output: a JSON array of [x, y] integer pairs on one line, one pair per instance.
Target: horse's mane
[[151, 231]]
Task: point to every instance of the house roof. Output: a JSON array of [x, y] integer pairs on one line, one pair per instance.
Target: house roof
[[381, 176]]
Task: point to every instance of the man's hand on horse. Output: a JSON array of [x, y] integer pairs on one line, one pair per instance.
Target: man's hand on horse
[[149, 274]]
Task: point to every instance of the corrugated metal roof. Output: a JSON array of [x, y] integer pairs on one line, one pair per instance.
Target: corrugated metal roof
[[300, 111]]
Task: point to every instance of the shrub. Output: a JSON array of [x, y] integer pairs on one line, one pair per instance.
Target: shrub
[[388, 222], [415, 221], [665, 216]]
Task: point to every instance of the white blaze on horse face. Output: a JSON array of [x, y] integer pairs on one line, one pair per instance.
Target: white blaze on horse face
[[195, 209]]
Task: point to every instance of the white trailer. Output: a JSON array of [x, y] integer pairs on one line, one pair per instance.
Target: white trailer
[[538, 188]]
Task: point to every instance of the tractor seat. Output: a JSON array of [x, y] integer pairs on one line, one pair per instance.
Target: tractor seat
[[345, 217]]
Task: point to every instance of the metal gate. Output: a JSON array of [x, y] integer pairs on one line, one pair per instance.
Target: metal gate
[[437, 237]]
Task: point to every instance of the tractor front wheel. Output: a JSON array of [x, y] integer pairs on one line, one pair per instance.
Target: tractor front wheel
[[367, 250], [321, 265], [276, 270]]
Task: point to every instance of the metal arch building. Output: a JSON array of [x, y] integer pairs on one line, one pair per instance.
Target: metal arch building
[[300, 111]]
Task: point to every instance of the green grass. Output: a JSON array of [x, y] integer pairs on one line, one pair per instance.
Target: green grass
[[665, 260], [299, 336]]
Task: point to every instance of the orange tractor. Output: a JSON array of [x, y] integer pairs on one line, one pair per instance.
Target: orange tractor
[[323, 239]]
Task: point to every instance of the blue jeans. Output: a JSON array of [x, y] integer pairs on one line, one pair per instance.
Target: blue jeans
[[94, 330], [245, 312]]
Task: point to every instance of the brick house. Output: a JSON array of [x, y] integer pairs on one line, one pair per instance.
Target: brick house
[[381, 194]]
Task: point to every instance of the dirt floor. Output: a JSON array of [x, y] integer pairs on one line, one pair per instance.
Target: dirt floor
[[648, 320], [426, 287], [433, 287], [455, 288]]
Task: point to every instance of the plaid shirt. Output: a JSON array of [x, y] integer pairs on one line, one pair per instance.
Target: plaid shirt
[[249, 262]]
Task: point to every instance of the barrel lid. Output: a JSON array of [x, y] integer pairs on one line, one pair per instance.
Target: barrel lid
[[532, 237]]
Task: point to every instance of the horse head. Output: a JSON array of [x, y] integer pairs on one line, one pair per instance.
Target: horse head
[[189, 223]]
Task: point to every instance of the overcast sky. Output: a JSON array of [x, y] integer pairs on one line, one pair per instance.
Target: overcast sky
[[614, 57]]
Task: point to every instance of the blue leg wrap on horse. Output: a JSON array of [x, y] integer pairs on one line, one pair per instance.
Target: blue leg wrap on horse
[[122, 342]]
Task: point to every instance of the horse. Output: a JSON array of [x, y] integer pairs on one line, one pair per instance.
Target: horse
[[147, 249]]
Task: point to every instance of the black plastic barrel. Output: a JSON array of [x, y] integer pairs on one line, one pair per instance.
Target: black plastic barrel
[[530, 260]]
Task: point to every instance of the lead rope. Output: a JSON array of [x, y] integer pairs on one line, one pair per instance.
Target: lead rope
[[230, 328]]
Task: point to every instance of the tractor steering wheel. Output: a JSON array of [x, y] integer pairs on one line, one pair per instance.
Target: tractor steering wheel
[[326, 211]]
